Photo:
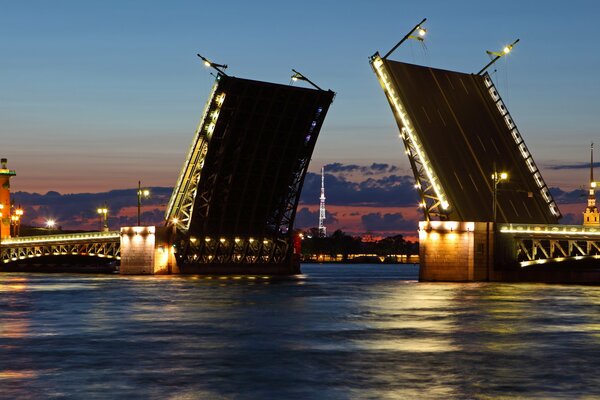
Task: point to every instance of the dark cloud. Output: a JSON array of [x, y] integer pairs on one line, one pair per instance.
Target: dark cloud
[[74, 211], [373, 169], [379, 167], [572, 219], [387, 222], [310, 219], [339, 167], [392, 190], [574, 196], [572, 166]]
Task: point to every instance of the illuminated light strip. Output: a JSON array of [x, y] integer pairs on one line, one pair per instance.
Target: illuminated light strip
[[189, 170], [408, 130], [556, 259], [525, 153], [550, 229], [45, 239]]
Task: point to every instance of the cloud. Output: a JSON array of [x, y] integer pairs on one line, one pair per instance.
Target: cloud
[[571, 219], [339, 167], [391, 190], [310, 219], [574, 196], [373, 169], [78, 211], [572, 166], [387, 222]]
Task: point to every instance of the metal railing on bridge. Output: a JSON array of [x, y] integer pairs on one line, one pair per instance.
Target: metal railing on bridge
[[540, 243], [94, 244]]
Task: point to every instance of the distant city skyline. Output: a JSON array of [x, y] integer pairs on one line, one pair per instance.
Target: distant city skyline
[[96, 96]]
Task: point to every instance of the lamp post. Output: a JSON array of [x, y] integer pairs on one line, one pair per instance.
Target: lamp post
[[419, 29], [140, 193], [497, 177], [16, 221], [103, 213]]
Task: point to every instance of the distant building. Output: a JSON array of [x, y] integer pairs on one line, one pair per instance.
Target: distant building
[[591, 216]]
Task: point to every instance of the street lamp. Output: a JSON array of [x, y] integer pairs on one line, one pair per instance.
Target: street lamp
[[50, 223], [419, 29], [102, 213], [18, 215], [299, 77], [497, 177], [498, 54], [16, 221], [141, 193]]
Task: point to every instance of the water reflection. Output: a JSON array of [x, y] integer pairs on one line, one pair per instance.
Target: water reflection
[[336, 332]]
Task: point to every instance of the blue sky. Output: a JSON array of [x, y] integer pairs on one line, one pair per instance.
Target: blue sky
[[96, 95]]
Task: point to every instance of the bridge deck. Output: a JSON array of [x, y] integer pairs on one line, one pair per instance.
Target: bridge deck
[[65, 237], [95, 244]]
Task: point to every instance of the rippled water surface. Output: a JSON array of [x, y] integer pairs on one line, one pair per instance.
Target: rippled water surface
[[337, 332]]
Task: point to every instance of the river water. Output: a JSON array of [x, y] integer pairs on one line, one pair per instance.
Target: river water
[[337, 332]]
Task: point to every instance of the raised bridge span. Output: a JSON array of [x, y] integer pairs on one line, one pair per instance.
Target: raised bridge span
[[458, 135]]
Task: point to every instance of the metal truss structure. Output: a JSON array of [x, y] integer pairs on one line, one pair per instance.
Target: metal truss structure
[[236, 197], [180, 207], [432, 199], [233, 250], [540, 244], [92, 244]]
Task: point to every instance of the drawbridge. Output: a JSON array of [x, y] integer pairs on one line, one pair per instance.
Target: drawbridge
[[457, 132], [234, 204], [458, 135]]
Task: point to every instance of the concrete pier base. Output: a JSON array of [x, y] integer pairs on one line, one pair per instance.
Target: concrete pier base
[[452, 251], [146, 250]]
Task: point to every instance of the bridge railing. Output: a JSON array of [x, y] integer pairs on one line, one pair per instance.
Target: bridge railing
[[65, 237], [549, 229], [539, 244]]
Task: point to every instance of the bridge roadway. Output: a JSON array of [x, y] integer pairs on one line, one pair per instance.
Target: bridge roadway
[[93, 244]]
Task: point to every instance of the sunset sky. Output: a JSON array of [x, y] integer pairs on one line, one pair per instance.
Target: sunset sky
[[95, 96]]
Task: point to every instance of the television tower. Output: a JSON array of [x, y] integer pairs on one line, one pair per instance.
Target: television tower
[[322, 228], [591, 216]]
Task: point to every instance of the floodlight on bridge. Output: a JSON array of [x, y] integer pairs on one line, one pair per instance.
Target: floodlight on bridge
[[300, 77], [220, 68], [497, 55], [418, 29]]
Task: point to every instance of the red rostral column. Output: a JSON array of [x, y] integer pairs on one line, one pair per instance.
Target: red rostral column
[[5, 175]]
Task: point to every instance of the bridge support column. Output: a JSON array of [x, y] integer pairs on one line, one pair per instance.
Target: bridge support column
[[146, 250], [454, 251]]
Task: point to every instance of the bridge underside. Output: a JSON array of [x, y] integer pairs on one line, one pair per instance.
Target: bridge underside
[[235, 201], [457, 131]]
